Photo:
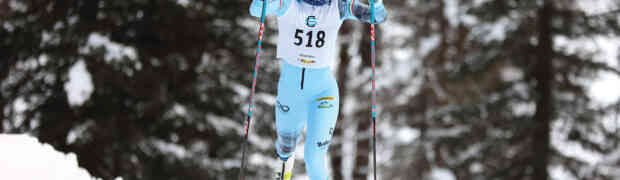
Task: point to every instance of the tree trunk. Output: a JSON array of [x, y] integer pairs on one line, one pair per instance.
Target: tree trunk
[[543, 73], [360, 168], [342, 77]]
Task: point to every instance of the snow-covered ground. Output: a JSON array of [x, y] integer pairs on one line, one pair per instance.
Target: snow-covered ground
[[23, 157]]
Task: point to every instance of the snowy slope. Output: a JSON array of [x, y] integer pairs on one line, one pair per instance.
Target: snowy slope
[[23, 157]]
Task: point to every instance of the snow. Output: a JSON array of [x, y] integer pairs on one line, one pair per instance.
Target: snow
[[407, 135], [559, 140], [494, 31], [476, 167], [18, 6], [8, 27], [605, 90], [511, 74], [593, 7], [442, 174], [559, 172], [43, 59], [451, 10], [79, 132], [24, 158], [80, 85], [455, 131], [183, 3], [171, 148], [20, 106], [524, 108], [114, 51], [349, 148], [611, 122], [428, 44], [457, 13]]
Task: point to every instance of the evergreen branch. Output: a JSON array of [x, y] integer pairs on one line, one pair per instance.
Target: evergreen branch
[[611, 12], [588, 63]]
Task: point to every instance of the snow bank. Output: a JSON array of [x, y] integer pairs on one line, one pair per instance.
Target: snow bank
[[22, 157]]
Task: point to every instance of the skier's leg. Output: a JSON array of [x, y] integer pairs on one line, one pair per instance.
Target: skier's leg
[[321, 124], [291, 115], [291, 111], [289, 127]]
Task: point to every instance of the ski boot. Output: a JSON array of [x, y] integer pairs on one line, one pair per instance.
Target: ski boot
[[284, 168]]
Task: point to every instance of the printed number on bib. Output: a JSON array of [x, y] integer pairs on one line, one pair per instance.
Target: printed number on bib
[[320, 38]]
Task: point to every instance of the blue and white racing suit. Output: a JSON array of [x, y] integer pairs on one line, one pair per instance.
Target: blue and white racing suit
[[307, 89]]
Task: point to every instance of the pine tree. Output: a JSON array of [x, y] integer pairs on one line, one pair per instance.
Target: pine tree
[[168, 105], [342, 76], [499, 92]]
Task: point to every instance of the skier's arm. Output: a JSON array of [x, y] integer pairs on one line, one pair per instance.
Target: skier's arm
[[353, 9], [277, 7]]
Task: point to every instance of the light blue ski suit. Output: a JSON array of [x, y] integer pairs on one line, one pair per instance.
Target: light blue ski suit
[[310, 95]]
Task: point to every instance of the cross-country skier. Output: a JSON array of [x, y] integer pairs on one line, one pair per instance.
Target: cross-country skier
[[307, 90]]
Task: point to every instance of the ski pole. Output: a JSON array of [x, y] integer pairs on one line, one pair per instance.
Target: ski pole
[[251, 106], [374, 90]]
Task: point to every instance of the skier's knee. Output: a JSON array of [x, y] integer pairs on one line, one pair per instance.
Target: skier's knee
[[314, 152]]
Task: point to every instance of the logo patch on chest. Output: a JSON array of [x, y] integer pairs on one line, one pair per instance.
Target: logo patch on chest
[[311, 21], [305, 61], [326, 98], [326, 102]]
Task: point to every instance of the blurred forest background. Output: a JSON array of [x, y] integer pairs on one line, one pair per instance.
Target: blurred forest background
[[467, 89]]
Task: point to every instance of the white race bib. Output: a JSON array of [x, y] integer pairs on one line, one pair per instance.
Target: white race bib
[[307, 36]]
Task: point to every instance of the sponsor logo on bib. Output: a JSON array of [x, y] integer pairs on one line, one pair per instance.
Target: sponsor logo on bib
[[307, 61], [311, 21]]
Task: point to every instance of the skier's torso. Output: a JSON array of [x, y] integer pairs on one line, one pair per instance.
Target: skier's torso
[[308, 34]]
